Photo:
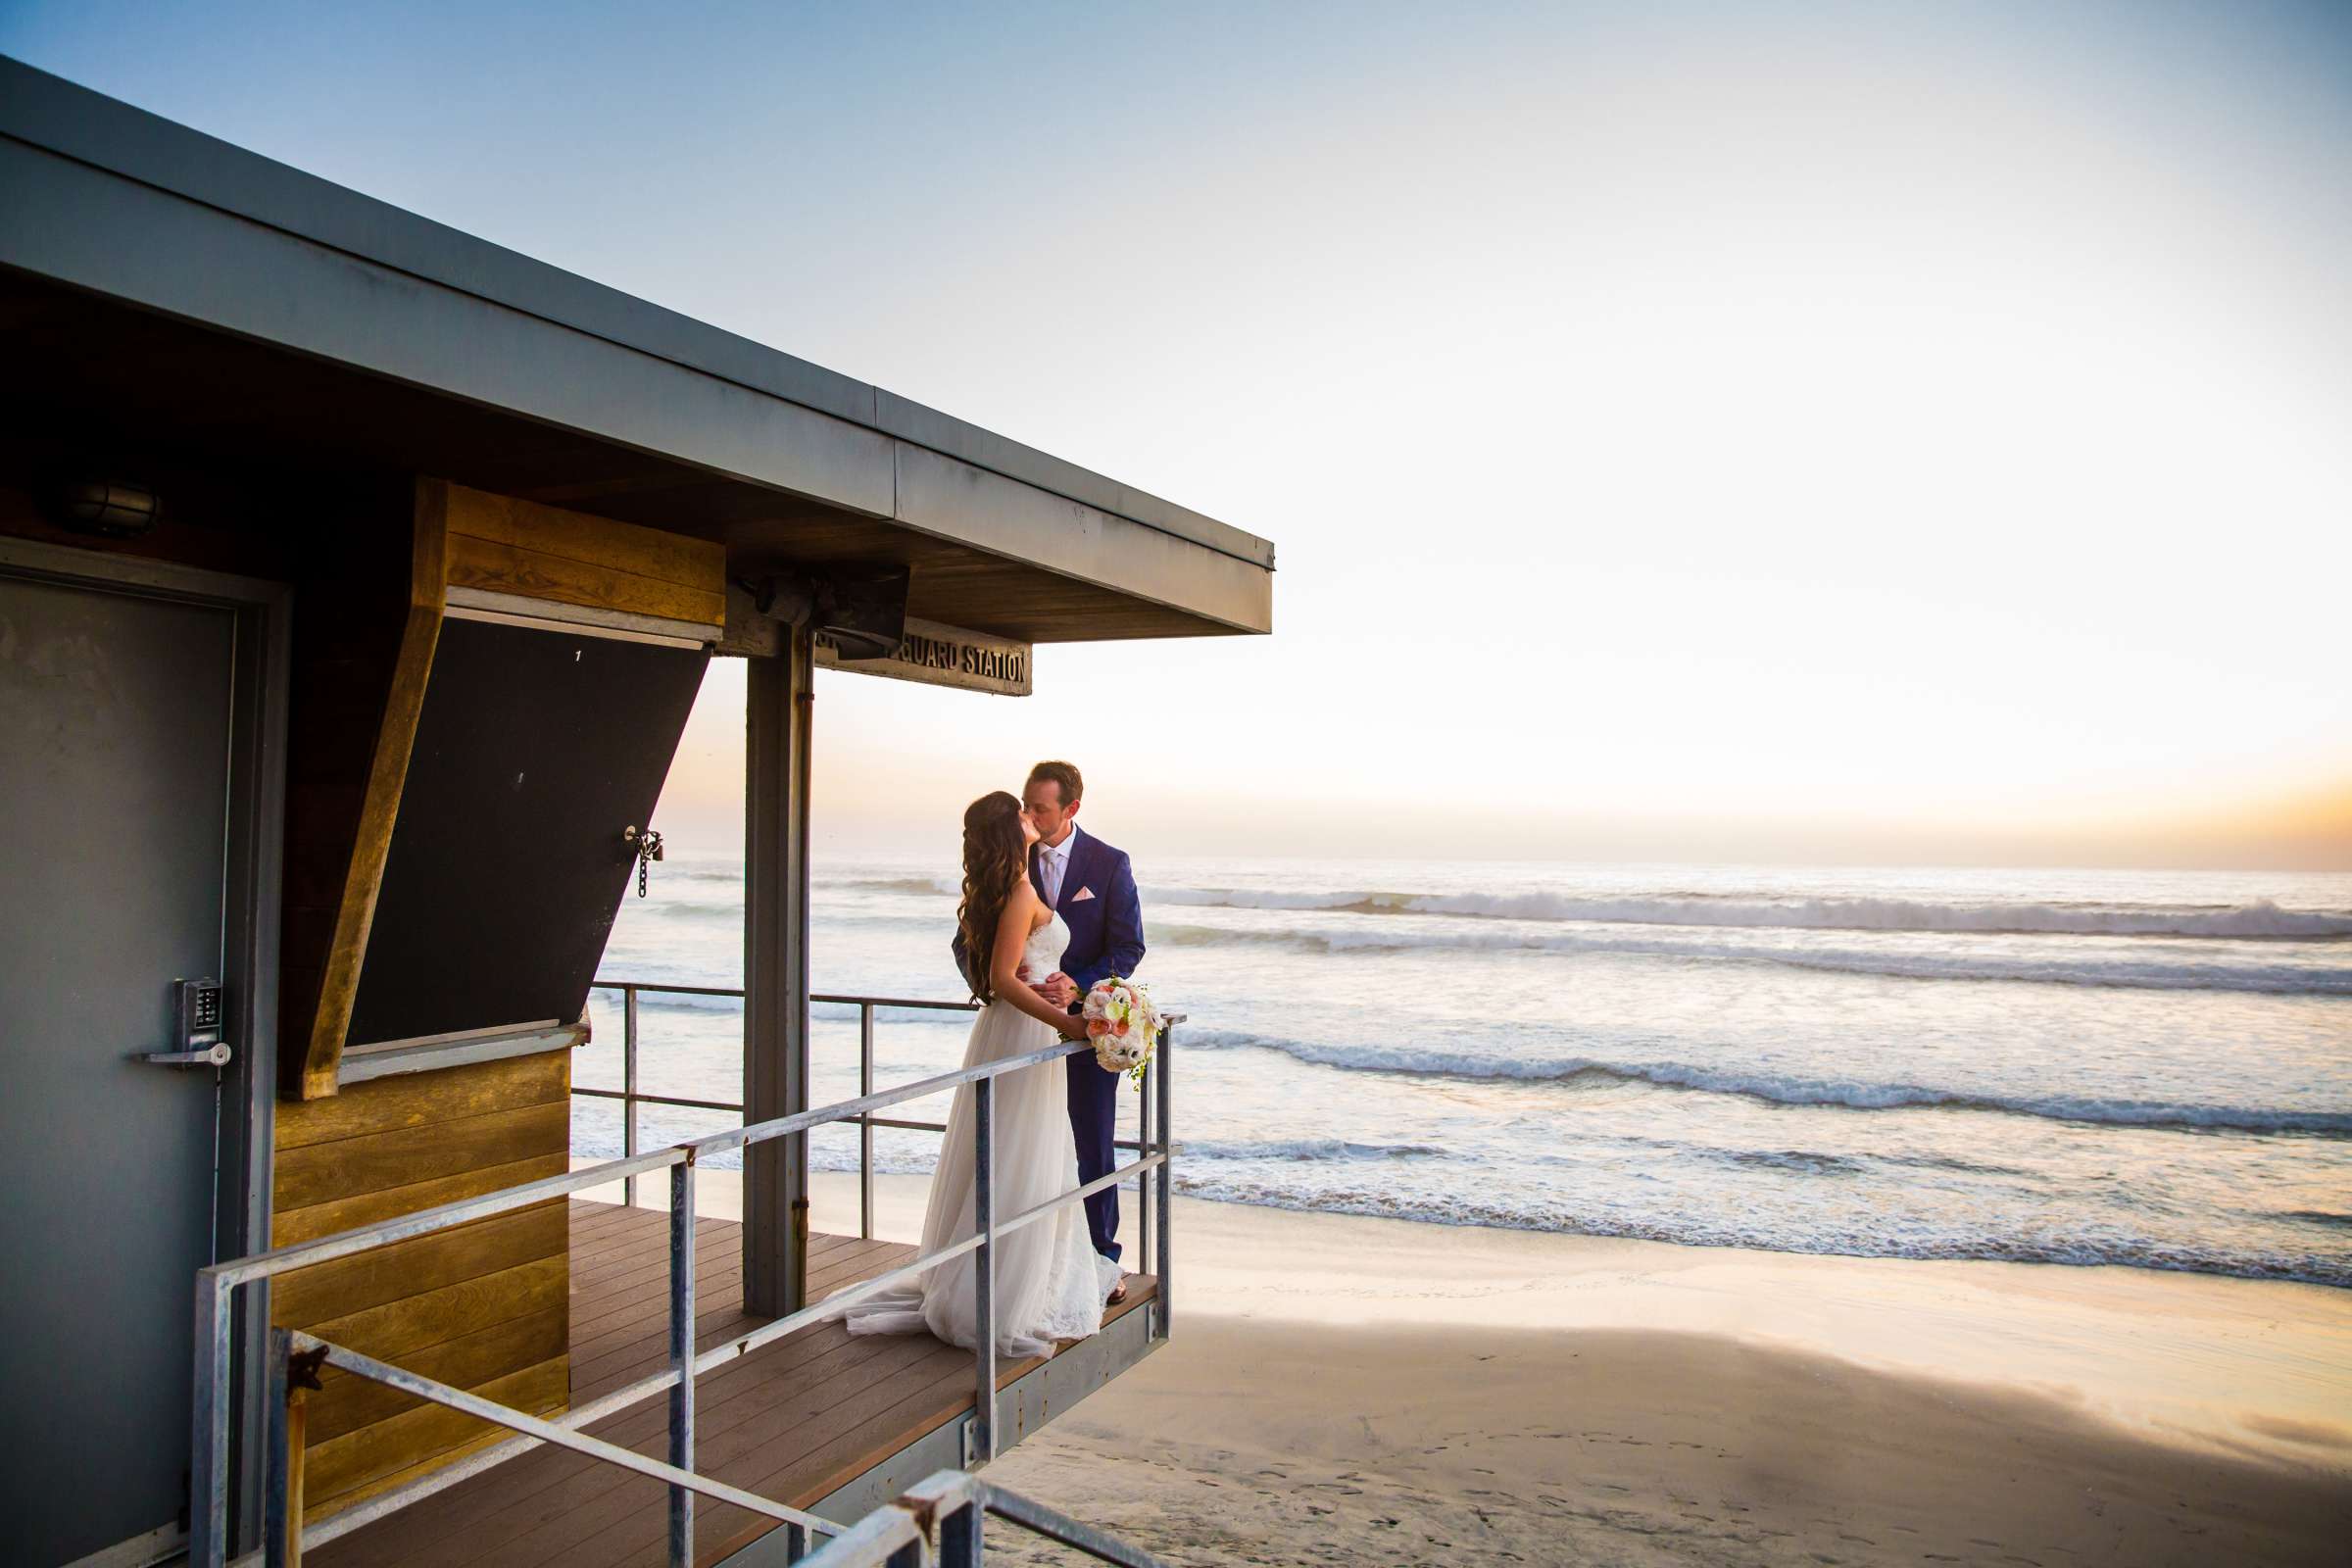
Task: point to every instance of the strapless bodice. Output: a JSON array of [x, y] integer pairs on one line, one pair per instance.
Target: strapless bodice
[[1046, 946]]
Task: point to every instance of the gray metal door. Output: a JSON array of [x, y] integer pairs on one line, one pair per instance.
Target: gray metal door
[[115, 748]]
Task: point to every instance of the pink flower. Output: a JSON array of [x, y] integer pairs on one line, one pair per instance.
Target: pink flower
[[1095, 1028]]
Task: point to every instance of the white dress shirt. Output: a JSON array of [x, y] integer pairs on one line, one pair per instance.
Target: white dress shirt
[[1053, 864]]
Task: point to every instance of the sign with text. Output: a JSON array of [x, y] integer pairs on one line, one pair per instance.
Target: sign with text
[[941, 655]]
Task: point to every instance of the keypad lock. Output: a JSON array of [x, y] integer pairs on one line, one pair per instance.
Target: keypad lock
[[646, 844], [198, 1015]]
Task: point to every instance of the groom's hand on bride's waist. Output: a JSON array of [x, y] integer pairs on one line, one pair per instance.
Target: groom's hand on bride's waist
[[1058, 989]]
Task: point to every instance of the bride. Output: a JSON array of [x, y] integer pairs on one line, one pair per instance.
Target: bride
[[1050, 1282]]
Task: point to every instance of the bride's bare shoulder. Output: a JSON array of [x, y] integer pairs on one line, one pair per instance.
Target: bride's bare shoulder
[[1026, 906]]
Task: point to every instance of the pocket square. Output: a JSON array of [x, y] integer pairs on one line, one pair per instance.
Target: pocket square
[[1082, 894]]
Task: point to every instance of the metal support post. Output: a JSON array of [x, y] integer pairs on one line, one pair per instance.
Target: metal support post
[[775, 936], [984, 1273], [865, 1123], [208, 1451], [681, 1355], [629, 1086]]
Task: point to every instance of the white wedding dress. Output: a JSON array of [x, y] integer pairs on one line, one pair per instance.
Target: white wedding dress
[[1050, 1281]]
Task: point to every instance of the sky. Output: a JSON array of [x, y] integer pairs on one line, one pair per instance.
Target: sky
[[1898, 433]]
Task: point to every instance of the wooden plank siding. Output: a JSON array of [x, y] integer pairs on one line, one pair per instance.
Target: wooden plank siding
[[793, 1420], [484, 1306]]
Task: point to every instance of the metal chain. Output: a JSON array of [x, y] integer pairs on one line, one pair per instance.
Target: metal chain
[[648, 845]]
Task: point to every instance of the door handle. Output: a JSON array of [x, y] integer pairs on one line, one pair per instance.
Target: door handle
[[215, 1055], [196, 1019]]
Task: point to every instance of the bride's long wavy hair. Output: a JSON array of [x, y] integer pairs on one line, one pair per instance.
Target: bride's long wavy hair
[[996, 857]]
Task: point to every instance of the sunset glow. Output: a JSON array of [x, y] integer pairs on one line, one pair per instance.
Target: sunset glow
[[1745, 432]]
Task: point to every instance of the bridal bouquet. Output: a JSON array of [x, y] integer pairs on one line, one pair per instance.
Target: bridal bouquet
[[1123, 1025]]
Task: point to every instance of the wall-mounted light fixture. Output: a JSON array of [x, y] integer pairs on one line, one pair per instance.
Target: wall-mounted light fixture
[[109, 508], [864, 611], [860, 611]]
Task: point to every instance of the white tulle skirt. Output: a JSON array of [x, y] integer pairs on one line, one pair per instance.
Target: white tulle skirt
[[1050, 1282]]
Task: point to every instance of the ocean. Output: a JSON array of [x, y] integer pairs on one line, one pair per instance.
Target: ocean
[[2077, 1067]]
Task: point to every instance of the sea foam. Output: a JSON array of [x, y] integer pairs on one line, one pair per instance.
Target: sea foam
[[1777, 1089]]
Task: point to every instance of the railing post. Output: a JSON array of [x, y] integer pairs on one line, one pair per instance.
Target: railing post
[[959, 1535], [1167, 1215], [208, 1450], [1142, 1178], [285, 1407], [681, 1354], [629, 1087], [984, 1273], [865, 1122]]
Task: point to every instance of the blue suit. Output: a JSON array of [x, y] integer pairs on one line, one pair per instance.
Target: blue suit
[[1107, 938]]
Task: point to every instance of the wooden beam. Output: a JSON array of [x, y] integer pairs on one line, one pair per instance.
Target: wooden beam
[[671, 557], [511, 546], [535, 574], [387, 773]]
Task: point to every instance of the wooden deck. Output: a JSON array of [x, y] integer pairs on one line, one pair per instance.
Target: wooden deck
[[795, 1420]]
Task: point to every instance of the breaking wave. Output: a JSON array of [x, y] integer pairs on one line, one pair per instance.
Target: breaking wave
[[1310, 1148], [2260, 920], [2278, 979], [1500, 1208], [942, 886], [1777, 1089]]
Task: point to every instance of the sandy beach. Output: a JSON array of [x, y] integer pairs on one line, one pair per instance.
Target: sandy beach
[[1358, 1390]]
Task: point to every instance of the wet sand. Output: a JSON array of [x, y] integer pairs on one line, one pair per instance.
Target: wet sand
[[1272, 1442], [1344, 1390]]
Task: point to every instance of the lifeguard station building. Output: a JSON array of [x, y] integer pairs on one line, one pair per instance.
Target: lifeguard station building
[[356, 579]]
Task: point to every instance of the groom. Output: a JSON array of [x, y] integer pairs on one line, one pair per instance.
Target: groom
[[1091, 886]]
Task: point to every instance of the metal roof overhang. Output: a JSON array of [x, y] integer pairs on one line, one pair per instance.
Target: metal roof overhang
[[178, 282]]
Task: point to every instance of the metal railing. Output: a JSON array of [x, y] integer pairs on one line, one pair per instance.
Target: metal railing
[[937, 1524], [630, 1095], [294, 1357]]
